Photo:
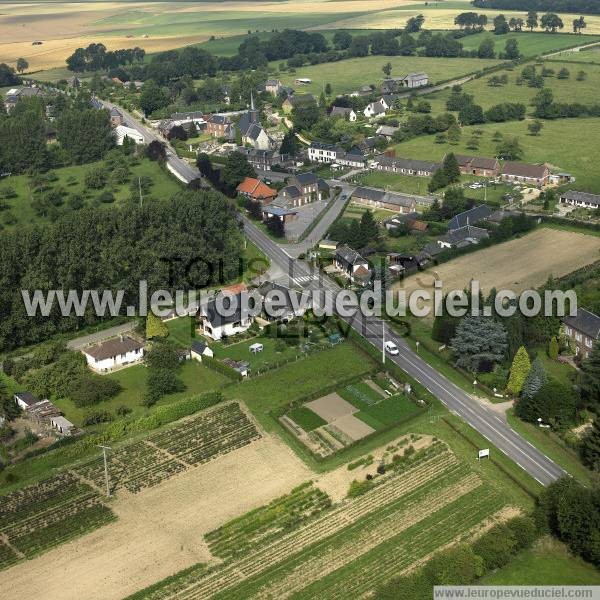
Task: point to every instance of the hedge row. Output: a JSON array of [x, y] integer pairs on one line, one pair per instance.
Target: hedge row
[[464, 564], [217, 365]]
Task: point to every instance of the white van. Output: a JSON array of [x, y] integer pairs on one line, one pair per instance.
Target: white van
[[391, 348]]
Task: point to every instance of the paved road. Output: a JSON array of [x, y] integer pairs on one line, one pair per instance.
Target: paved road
[[480, 417]]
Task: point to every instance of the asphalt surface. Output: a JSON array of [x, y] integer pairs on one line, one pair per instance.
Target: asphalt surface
[[480, 417], [373, 329]]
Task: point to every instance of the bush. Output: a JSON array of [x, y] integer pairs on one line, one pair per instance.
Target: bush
[[496, 547], [89, 389], [97, 416]]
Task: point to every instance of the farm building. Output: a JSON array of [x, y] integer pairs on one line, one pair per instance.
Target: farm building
[[524, 173], [470, 217], [62, 425], [115, 353], [25, 399], [382, 199], [580, 199], [583, 331], [478, 165], [404, 166]]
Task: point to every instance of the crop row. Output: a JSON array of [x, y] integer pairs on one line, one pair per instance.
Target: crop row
[[361, 576], [34, 499], [7, 556], [391, 489], [261, 526]]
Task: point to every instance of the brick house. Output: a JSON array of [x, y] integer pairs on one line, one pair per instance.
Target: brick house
[[478, 165], [256, 190], [524, 173], [582, 330]]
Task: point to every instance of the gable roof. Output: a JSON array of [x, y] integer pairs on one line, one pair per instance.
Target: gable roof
[[524, 170], [408, 164], [481, 212], [198, 346], [349, 256], [581, 197], [468, 233], [376, 195], [216, 319], [27, 397], [341, 110], [585, 321], [476, 162], [112, 348], [376, 108], [306, 178], [256, 188]]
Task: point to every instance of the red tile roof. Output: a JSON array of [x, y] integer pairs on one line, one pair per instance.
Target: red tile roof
[[256, 189]]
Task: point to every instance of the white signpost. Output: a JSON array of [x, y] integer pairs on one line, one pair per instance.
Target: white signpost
[[483, 453]]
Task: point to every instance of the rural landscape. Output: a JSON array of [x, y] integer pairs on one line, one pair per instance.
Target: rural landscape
[[192, 197]]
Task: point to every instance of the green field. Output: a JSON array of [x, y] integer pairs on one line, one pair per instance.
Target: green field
[[568, 144], [564, 90], [306, 418], [196, 377], [547, 563], [586, 55], [18, 211], [350, 74]]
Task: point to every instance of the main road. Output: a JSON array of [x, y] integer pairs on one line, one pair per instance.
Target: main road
[[373, 329]]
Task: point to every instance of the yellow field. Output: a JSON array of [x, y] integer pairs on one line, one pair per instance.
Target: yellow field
[[156, 26]]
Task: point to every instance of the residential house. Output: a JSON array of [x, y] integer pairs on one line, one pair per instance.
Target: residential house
[[62, 425], [122, 132], [382, 199], [187, 118], [343, 112], [25, 399], [322, 153], [256, 190], [219, 126], [116, 117], [583, 331], [74, 82], [114, 353], [15, 94], [301, 189], [217, 323], [374, 109], [462, 237], [198, 349], [482, 212], [387, 131], [405, 166], [478, 165], [264, 160], [410, 220], [273, 86], [297, 100], [387, 101], [580, 199], [524, 173], [352, 264], [281, 303]]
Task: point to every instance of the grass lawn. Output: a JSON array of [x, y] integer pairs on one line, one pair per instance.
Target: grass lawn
[[548, 563], [196, 377], [387, 412], [586, 55], [180, 331], [554, 145], [397, 183], [551, 445], [71, 180], [564, 373], [306, 418], [350, 74]]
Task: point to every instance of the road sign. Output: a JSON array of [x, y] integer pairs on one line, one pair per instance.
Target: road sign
[[483, 453]]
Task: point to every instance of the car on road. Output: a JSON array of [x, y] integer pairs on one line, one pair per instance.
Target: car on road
[[391, 348]]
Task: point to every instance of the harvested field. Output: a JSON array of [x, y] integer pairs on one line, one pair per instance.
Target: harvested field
[[352, 427], [519, 264]]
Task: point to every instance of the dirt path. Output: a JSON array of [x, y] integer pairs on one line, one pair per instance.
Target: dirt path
[[159, 531]]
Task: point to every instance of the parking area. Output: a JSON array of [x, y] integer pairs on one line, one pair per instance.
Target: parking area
[[306, 215]]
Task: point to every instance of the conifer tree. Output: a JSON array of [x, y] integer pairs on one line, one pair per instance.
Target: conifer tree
[[519, 370]]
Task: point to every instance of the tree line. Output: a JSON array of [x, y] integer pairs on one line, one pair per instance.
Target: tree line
[[96, 57], [590, 7], [188, 242]]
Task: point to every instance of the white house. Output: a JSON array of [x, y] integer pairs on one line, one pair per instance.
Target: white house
[[25, 399], [323, 153], [114, 353], [199, 349], [352, 264], [122, 132], [62, 425], [374, 109], [580, 199], [223, 317]]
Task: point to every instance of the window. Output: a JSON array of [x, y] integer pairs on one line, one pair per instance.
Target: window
[[588, 342], [568, 330], [578, 337]]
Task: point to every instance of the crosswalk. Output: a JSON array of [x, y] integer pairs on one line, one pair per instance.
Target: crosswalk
[[306, 278]]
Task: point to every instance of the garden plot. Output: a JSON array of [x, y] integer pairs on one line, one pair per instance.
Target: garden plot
[[38, 517]]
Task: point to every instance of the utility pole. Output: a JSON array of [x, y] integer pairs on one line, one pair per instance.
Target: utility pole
[[104, 449], [140, 190], [383, 341]]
